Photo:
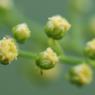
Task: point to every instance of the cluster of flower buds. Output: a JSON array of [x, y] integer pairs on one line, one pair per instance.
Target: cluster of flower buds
[[81, 74], [90, 49], [8, 47], [56, 27], [47, 59]]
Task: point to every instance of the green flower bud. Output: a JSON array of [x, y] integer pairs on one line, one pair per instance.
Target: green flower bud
[[56, 27], [90, 49], [8, 50], [81, 74], [47, 59], [21, 32]]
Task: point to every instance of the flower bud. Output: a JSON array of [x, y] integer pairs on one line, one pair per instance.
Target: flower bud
[[21, 32], [6, 4], [56, 27], [81, 74], [47, 59], [8, 50], [90, 49]]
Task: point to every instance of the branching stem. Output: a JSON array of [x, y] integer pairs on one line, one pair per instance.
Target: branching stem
[[64, 59]]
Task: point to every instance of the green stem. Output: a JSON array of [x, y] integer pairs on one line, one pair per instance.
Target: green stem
[[27, 54], [54, 44], [65, 59], [71, 60]]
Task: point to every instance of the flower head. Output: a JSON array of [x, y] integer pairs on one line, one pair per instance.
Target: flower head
[[6, 4], [81, 74], [8, 50], [21, 32], [56, 27], [90, 49], [47, 59]]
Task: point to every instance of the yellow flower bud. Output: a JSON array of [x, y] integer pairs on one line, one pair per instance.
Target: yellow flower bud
[[8, 50], [47, 59], [90, 49], [6, 4], [81, 74], [21, 32], [56, 27]]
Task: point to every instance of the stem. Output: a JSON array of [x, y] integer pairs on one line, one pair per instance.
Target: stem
[[71, 60], [27, 54], [54, 44], [65, 59]]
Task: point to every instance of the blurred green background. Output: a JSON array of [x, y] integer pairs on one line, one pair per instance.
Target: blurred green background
[[20, 77]]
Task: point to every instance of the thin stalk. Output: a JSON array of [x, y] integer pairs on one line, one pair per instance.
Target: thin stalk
[[65, 59], [71, 60], [54, 44], [26, 54]]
